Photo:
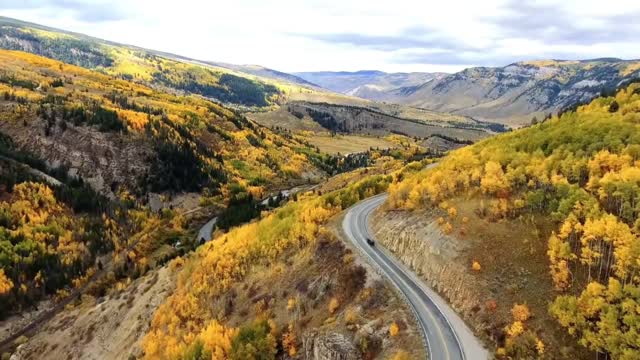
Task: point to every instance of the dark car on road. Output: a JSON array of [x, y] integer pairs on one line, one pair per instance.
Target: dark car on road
[[371, 242]]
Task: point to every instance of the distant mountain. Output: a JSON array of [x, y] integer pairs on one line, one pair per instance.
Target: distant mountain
[[264, 72], [367, 84], [514, 94]]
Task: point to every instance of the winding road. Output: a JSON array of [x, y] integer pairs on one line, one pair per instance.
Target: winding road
[[446, 335]]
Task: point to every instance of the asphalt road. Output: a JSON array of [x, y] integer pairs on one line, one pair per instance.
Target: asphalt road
[[446, 335]]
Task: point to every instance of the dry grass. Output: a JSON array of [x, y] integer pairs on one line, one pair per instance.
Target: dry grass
[[282, 118], [347, 144], [110, 329], [515, 269], [328, 97]]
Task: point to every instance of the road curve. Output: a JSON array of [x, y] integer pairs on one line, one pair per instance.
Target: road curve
[[437, 321]]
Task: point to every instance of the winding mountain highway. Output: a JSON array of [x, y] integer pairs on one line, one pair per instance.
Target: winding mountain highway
[[446, 335]]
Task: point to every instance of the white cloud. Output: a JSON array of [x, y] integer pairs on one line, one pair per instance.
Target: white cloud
[[400, 35]]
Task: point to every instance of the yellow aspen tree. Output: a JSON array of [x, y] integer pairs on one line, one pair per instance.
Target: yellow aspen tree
[[5, 283], [394, 329]]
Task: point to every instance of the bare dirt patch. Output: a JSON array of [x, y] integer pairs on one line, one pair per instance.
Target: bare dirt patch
[[109, 328]]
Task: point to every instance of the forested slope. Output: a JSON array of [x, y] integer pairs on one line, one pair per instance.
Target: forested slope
[[283, 286], [123, 136], [578, 173], [138, 64], [58, 236]]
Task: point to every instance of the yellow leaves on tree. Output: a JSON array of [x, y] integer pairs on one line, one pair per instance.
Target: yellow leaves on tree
[[475, 266], [520, 312], [559, 252], [521, 342], [447, 228], [217, 339], [334, 304], [291, 304], [515, 329], [494, 181], [5, 283], [224, 262], [611, 231], [289, 341], [394, 329], [37, 222]]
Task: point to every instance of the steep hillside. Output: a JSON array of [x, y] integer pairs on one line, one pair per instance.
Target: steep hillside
[[284, 287], [516, 93], [60, 239], [121, 135], [222, 84], [367, 84], [370, 121], [264, 72], [281, 286], [538, 232]]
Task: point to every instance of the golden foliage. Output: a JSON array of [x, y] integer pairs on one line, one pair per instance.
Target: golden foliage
[[394, 329], [289, 341], [520, 312], [515, 329], [334, 304], [401, 355], [217, 339], [291, 304], [447, 228], [581, 169], [351, 315], [476, 266], [5, 283], [226, 260], [221, 138]]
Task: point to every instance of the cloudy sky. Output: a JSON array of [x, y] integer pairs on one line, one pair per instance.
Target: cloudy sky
[[389, 35]]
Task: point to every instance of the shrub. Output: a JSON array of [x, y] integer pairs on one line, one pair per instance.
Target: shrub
[[334, 304], [476, 266], [394, 329], [520, 312], [254, 342]]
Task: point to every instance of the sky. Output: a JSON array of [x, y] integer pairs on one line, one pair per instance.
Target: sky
[[349, 35]]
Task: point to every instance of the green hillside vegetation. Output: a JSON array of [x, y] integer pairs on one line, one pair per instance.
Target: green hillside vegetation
[[580, 171]]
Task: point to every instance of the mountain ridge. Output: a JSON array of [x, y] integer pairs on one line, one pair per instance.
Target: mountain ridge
[[367, 84], [233, 85], [512, 94]]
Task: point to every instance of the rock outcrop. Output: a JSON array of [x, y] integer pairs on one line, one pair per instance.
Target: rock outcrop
[[329, 346], [104, 160]]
